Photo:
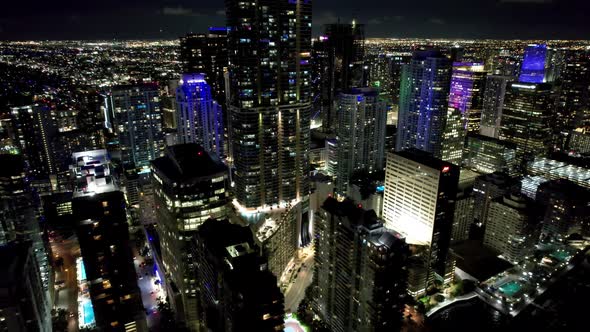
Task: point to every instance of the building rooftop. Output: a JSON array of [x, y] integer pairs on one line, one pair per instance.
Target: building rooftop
[[427, 159], [186, 162]]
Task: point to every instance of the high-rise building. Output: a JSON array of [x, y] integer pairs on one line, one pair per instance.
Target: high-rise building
[[423, 105], [24, 304], [419, 203], [573, 93], [464, 206], [190, 187], [492, 104], [362, 117], [533, 65], [566, 207], [207, 54], [465, 99], [526, 118], [35, 128], [511, 228], [101, 226], [18, 218], [359, 270], [487, 155], [133, 113], [270, 100], [199, 117], [343, 47], [487, 188], [235, 288]]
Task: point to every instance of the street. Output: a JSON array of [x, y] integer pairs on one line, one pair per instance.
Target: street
[[66, 297], [300, 280]]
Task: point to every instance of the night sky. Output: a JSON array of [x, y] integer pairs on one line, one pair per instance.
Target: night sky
[[129, 19]]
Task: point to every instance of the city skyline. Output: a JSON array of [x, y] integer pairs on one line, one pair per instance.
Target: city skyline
[[153, 19]]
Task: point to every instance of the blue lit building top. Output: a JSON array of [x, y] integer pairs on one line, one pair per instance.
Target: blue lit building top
[[533, 64]]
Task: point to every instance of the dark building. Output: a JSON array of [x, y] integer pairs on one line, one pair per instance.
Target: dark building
[[526, 118], [342, 53], [566, 208], [269, 47], [237, 291], [190, 186], [207, 54], [24, 305], [359, 270]]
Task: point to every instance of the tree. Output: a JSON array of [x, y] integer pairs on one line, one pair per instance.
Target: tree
[[168, 318], [59, 320]]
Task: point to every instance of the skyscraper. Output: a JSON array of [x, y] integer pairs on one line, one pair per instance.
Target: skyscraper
[[465, 98], [133, 113], [207, 54], [487, 155], [190, 187], [199, 117], [533, 65], [99, 212], [24, 304], [419, 203], [343, 46], [486, 189], [424, 95], [362, 118], [359, 270], [236, 290], [493, 102], [269, 46], [526, 118], [573, 93]]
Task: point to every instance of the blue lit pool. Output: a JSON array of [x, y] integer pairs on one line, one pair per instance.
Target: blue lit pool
[[510, 288], [88, 312]]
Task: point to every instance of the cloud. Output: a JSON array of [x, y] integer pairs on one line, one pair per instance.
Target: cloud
[[436, 20], [384, 19], [179, 11], [325, 18], [220, 12]]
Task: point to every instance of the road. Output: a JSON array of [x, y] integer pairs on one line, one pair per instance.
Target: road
[[67, 297], [150, 292], [296, 291]]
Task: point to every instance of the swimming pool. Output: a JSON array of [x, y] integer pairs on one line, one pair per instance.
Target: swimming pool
[[510, 288], [87, 313]]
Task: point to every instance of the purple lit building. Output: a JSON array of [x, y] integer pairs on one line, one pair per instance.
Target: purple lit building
[[533, 64], [464, 111], [199, 117]]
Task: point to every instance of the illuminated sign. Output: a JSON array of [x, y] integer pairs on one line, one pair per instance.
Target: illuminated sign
[[446, 169]]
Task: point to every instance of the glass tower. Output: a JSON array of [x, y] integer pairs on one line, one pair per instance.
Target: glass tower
[[533, 64], [269, 45]]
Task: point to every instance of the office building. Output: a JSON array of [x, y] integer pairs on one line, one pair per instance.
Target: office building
[[526, 119], [270, 100], [361, 125], [465, 100], [419, 203], [488, 155], [423, 105], [493, 103], [199, 117], [24, 304], [133, 113], [533, 65], [189, 187], [464, 206], [579, 141], [99, 212], [566, 208], [359, 270], [207, 54], [235, 288], [510, 228], [573, 94]]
